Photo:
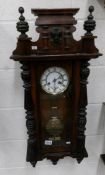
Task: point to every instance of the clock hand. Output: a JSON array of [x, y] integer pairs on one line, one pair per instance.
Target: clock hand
[[54, 85], [55, 79], [61, 83], [59, 77]]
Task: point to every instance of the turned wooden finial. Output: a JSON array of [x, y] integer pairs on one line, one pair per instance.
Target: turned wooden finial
[[90, 23], [22, 25]]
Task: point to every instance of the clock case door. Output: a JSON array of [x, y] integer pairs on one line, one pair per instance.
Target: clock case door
[[67, 103]]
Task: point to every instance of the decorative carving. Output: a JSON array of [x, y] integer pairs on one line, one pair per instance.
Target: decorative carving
[[67, 35], [85, 71], [54, 157], [45, 37], [30, 121], [56, 35], [55, 32], [22, 25], [90, 24], [82, 111]]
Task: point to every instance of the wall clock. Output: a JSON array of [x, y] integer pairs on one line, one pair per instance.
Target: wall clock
[[55, 71]]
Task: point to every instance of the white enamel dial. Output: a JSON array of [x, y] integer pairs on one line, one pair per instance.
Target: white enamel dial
[[54, 80]]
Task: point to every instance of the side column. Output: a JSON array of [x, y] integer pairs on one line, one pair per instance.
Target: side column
[[30, 119], [84, 73]]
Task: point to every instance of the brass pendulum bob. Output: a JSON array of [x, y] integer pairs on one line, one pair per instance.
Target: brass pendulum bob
[[54, 127]]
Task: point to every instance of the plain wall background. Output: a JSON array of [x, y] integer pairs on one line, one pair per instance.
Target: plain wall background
[[13, 133]]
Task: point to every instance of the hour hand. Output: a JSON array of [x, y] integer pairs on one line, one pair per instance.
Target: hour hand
[[61, 83]]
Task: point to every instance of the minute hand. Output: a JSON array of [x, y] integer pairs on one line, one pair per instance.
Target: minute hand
[[58, 77]]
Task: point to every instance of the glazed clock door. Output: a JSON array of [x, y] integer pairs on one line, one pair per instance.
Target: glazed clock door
[[55, 95]]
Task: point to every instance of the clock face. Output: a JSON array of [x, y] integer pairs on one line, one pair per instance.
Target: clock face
[[54, 80]]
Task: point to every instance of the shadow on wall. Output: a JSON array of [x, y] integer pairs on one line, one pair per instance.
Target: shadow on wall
[[101, 2], [101, 165], [101, 124]]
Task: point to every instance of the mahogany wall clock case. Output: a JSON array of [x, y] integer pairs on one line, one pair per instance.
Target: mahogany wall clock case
[[54, 72]]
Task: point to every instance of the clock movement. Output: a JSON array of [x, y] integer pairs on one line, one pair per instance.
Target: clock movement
[[55, 71]]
